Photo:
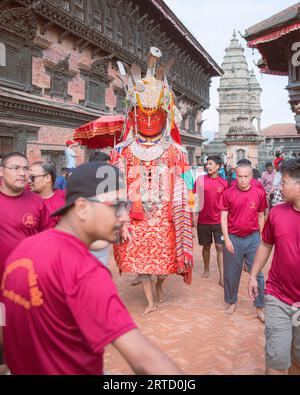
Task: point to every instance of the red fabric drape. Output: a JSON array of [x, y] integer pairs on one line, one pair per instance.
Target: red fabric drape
[[273, 36]]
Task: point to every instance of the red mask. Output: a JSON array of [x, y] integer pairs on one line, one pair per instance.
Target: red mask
[[151, 126]]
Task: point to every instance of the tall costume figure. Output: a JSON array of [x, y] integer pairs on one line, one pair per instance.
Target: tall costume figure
[[154, 163]]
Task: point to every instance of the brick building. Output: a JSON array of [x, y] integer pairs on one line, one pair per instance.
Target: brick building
[[60, 68], [280, 137]]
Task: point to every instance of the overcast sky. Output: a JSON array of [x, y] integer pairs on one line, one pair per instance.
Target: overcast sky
[[212, 23]]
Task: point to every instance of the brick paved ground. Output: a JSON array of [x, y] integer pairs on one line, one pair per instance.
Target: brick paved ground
[[191, 326]]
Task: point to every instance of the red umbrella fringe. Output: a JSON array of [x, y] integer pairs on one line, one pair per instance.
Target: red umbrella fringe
[[97, 131]]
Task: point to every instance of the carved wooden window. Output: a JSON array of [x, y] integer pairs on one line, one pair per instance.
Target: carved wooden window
[[97, 15], [59, 85], [120, 104], [109, 22], [94, 92], [120, 95], [119, 29], [6, 145], [66, 5], [60, 75], [57, 157], [130, 38], [79, 11], [18, 70]]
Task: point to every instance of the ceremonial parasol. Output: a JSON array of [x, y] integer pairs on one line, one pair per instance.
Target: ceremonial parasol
[[102, 133]]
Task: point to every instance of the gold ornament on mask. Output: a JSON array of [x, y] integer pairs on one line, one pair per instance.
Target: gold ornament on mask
[[150, 111]]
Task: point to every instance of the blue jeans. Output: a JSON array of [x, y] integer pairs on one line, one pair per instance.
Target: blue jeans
[[245, 250]]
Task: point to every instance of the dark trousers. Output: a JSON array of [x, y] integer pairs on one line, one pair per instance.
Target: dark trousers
[[245, 250]]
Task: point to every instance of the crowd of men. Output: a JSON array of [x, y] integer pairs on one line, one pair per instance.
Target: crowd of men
[[58, 318]]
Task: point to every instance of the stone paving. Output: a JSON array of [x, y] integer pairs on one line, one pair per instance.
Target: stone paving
[[191, 326]]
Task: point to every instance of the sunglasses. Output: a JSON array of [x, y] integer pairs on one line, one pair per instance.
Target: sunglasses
[[32, 177], [120, 206]]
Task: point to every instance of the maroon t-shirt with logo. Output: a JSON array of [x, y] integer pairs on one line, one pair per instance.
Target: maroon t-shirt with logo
[[54, 203], [62, 307], [243, 208], [253, 183], [210, 190], [283, 230], [21, 216]]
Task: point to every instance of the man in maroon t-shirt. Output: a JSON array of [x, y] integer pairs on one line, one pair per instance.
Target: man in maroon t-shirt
[[42, 179], [282, 298], [242, 219], [62, 307], [210, 188], [22, 213]]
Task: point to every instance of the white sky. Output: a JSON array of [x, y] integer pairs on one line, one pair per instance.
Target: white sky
[[212, 23]]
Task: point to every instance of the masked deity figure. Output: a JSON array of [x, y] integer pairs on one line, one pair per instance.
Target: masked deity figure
[[158, 240]]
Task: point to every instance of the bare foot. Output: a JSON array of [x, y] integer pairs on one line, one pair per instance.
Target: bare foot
[[149, 309], [160, 294], [230, 309], [221, 282], [205, 274], [260, 315], [3, 370], [136, 281]]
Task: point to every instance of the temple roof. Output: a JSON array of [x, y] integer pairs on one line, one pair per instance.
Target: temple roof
[[272, 37], [279, 130], [242, 130], [235, 66], [282, 18]]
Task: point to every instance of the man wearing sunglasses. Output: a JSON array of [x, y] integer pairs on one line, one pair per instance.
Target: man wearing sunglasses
[[42, 180], [69, 309]]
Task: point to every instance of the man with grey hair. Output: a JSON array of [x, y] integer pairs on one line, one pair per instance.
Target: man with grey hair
[[242, 220]]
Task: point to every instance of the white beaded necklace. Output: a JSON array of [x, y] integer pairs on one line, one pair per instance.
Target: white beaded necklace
[[151, 153]]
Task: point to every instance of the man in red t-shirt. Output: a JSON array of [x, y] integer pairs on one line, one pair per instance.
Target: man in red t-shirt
[[209, 189], [282, 298], [42, 180], [278, 158], [242, 219], [22, 212], [62, 307]]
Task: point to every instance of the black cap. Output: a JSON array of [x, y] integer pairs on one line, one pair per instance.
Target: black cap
[[89, 180]]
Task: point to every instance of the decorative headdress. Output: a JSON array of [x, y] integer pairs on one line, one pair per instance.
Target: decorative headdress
[[153, 91]]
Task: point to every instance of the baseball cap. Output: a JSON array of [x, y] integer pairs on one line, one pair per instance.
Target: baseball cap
[[70, 142], [89, 180]]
